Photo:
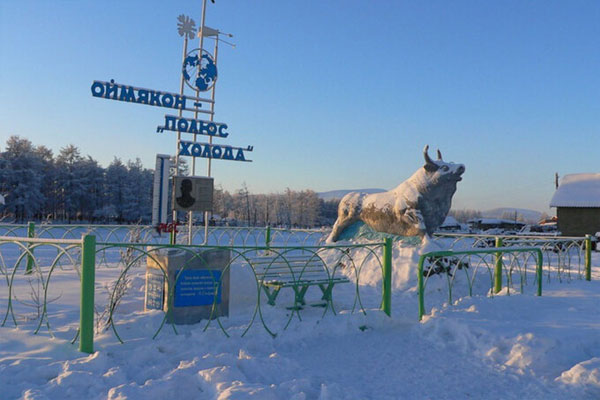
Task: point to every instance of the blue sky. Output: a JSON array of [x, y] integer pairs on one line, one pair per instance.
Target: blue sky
[[331, 94]]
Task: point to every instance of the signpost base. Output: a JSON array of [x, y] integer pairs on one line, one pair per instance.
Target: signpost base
[[189, 287]]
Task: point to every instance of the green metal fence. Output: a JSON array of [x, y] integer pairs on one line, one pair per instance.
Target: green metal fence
[[217, 235], [101, 308], [31, 263], [565, 257], [514, 264]]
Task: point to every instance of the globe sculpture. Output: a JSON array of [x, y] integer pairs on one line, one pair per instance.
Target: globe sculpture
[[204, 79]]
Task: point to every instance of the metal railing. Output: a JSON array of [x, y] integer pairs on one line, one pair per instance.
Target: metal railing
[[26, 263], [29, 266], [40, 260], [217, 235], [493, 263], [565, 256]]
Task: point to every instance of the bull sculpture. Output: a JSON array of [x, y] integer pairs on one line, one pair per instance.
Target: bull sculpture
[[416, 207]]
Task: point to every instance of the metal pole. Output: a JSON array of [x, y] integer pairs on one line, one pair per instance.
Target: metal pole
[[268, 240], [190, 226], [210, 139], [201, 53], [268, 237], [180, 114], [212, 105], [420, 287], [386, 303], [30, 234], [86, 315], [539, 272], [199, 69], [588, 258], [498, 267]]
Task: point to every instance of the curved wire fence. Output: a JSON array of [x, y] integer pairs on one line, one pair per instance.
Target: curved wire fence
[[43, 286], [478, 272], [275, 285], [565, 256], [28, 267], [216, 235], [335, 262]]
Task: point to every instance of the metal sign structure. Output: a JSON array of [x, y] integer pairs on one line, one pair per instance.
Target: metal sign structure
[[212, 151], [160, 194], [199, 73], [204, 65], [131, 94], [190, 125]]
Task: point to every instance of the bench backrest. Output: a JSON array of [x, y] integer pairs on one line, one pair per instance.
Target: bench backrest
[[290, 269]]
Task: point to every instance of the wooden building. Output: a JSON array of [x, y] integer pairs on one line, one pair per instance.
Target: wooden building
[[450, 224], [487, 224], [577, 202]]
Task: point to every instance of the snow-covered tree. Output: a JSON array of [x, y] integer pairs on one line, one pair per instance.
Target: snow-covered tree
[[137, 192], [49, 183], [92, 175], [116, 188], [72, 192], [21, 177]]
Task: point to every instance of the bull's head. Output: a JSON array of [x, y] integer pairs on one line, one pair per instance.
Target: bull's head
[[441, 170]]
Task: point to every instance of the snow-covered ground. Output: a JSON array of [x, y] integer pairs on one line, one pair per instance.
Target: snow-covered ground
[[508, 346]]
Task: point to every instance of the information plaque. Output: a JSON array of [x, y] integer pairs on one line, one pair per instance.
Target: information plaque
[[199, 287], [155, 289]]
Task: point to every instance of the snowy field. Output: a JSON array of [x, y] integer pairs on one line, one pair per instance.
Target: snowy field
[[510, 346]]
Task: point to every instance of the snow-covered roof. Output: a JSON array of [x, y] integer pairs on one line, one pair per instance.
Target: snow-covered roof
[[450, 221], [578, 190], [493, 221]]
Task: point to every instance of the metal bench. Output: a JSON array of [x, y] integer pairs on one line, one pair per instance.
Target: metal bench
[[298, 272]]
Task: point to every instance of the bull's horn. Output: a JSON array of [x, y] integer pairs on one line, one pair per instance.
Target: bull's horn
[[427, 159], [439, 155]]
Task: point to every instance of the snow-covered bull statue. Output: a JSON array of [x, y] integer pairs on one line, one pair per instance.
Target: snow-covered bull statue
[[418, 206]]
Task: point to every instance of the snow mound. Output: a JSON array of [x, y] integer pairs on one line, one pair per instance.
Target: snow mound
[[584, 373], [405, 256]]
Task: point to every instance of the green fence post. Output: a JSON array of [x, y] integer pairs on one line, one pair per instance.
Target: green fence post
[[420, 287], [588, 258], [268, 236], [538, 272], [268, 240], [386, 304], [88, 277], [30, 234], [498, 268]]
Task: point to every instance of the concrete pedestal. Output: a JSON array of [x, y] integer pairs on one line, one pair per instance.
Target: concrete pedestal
[[198, 280]]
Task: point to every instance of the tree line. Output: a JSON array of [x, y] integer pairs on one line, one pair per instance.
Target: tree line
[[68, 187], [292, 209]]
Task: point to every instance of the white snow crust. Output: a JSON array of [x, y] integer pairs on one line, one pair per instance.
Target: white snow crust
[[515, 346]]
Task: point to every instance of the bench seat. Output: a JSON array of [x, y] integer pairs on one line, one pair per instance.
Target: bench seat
[[299, 273]]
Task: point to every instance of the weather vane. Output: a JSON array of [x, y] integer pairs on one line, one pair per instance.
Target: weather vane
[[186, 26]]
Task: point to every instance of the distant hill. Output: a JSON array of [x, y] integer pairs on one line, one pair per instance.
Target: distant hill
[[530, 216], [338, 194]]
